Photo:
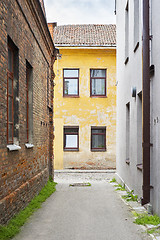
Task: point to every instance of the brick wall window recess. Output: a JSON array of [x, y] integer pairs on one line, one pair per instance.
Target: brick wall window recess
[[71, 138], [71, 82], [29, 105], [98, 83], [98, 139], [12, 96]]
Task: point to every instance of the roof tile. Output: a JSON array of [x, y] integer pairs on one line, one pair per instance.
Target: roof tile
[[85, 35]]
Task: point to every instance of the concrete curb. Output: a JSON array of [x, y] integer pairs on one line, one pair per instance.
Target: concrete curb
[[85, 171], [136, 206]]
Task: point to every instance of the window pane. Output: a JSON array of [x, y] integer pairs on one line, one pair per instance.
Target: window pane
[[98, 73], [71, 141], [10, 86], [98, 130], [98, 141], [98, 86], [10, 132], [10, 100], [71, 130], [71, 87], [71, 73], [10, 60]]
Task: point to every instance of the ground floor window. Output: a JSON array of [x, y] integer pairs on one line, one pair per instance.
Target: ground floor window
[[98, 138], [71, 138]]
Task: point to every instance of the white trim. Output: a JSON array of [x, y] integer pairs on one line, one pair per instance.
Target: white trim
[[29, 145], [120, 180], [13, 147]]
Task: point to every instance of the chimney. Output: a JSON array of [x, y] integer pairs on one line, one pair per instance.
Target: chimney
[[51, 27]]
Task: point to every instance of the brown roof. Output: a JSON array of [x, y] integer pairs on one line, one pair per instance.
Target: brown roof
[[85, 35]]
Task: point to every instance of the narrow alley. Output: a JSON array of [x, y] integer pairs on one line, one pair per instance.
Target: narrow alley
[[93, 212]]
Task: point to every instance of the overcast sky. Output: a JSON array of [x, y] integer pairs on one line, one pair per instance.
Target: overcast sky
[[80, 11]]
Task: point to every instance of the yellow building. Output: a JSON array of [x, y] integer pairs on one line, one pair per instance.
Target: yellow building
[[85, 97]]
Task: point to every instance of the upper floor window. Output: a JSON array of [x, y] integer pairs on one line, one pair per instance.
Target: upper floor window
[[127, 32], [12, 94], [70, 82], [98, 82], [136, 24]]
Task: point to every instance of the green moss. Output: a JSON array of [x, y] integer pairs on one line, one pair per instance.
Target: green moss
[[144, 219], [13, 227]]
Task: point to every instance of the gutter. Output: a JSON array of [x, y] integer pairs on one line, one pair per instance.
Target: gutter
[[146, 106]]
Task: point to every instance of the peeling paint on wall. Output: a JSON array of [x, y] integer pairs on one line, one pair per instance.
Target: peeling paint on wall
[[86, 111]]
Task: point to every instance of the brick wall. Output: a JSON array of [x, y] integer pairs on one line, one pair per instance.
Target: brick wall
[[24, 172]]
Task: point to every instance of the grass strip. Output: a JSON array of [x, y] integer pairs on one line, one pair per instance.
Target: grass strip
[[13, 226], [144, 219]]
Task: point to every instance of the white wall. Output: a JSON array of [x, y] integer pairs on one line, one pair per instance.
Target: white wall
[[128, 75]]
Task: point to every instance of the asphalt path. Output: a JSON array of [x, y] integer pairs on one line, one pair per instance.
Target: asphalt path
[[93, 212]]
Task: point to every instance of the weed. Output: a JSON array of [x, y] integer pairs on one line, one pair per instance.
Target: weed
[[113, 180], [144, 219], [154, 230], [13, 227], [119, 187], [130, 196]]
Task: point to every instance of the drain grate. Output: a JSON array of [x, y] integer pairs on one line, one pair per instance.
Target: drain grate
[[80, 185]]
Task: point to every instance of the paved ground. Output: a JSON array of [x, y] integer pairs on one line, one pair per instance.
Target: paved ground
[[83, 213]]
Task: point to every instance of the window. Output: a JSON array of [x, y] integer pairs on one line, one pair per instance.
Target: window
[[139, 131], [98, 138], [127, 132], [71, 138], [98, 82], [136, 24], [29, 102], [126, 33], [12, 94], [70, 82]]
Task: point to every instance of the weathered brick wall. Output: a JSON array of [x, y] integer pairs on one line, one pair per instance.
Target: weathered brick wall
[[24, 172]]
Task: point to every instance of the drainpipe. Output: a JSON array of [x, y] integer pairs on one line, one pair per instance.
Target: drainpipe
[[146, 105], [115, 7]]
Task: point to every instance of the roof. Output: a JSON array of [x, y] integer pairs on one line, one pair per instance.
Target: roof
[[88, 35]]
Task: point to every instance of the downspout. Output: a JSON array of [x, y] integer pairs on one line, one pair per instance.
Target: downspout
[[146, 105], [115, 7]]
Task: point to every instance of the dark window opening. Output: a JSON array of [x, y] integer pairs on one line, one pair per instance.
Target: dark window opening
[[29, 102], [98, 138], [12, 94]]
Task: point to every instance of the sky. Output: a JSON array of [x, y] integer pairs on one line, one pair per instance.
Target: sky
[[80, 11]]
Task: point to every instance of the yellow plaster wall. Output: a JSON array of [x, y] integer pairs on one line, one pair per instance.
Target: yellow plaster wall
[[58, 147], [85, 111]]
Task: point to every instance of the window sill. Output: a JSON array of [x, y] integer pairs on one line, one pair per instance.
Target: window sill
[[71, 150], [136, 47], [73, 96], [126, 61], [128, 161], [29, 145], [98, 150], [13, 147], [98, 96], [139, 166]]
